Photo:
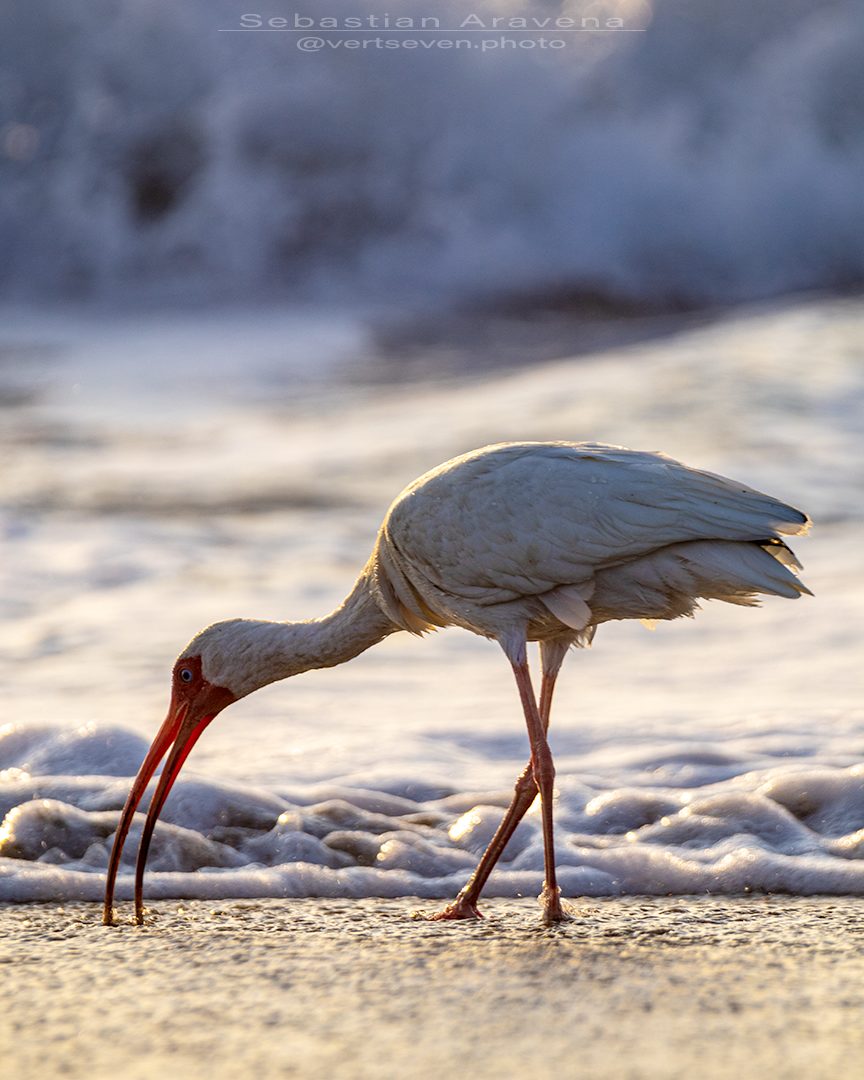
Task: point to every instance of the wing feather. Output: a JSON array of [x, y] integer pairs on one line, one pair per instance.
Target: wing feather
[[523, 519]]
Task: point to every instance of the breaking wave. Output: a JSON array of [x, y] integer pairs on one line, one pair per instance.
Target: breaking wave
[[715, 157]]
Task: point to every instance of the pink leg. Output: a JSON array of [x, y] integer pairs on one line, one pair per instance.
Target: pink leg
[[544, 776], [465, 904]]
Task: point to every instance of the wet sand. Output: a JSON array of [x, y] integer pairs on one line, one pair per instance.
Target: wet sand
[[632, 988]]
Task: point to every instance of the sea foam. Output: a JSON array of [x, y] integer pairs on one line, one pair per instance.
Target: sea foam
[[795, 829]]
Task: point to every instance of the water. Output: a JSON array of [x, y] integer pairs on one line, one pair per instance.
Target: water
[[718, 156], [162, 472]]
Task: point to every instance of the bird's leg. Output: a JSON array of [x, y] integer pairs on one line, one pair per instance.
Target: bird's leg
[[543, 768], [465, 905]]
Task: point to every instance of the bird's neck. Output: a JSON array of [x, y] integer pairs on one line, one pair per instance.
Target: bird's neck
[[355, 626], [284, 649]]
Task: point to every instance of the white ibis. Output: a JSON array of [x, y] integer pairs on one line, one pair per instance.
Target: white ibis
[[516, 542]]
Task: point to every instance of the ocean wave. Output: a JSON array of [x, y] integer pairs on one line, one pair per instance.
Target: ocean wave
[[715, 157]]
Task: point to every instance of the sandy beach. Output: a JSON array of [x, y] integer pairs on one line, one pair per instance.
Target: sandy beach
[[632, 988]]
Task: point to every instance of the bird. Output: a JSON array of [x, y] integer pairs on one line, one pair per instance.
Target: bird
[[517, 542]]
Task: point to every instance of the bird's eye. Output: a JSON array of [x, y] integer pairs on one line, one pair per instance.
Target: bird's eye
[[186, 675]]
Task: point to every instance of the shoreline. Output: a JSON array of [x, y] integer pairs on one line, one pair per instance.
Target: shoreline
[[633, 987]]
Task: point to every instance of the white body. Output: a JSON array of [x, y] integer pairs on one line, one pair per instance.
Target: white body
[[547, 539]]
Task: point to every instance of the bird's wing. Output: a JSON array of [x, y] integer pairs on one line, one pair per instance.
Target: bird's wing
[[521, 519]]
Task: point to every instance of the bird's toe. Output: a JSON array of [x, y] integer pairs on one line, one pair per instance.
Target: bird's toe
[[459, 909]]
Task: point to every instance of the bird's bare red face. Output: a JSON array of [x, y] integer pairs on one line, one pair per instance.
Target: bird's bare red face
[[194, 703]]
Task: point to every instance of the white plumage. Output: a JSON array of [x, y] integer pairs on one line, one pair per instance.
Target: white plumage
[[556, 536], [517, 542]]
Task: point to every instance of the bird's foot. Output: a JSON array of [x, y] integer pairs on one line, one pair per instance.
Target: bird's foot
[[555, 911], [459, 909]]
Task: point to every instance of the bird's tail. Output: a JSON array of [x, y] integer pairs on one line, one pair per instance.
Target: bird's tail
[[737, 572]]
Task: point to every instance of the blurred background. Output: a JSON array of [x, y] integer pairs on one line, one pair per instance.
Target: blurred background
[[248, 292], [715, 157]]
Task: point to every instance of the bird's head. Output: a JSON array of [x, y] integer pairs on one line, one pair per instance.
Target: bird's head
[[220, 665]]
